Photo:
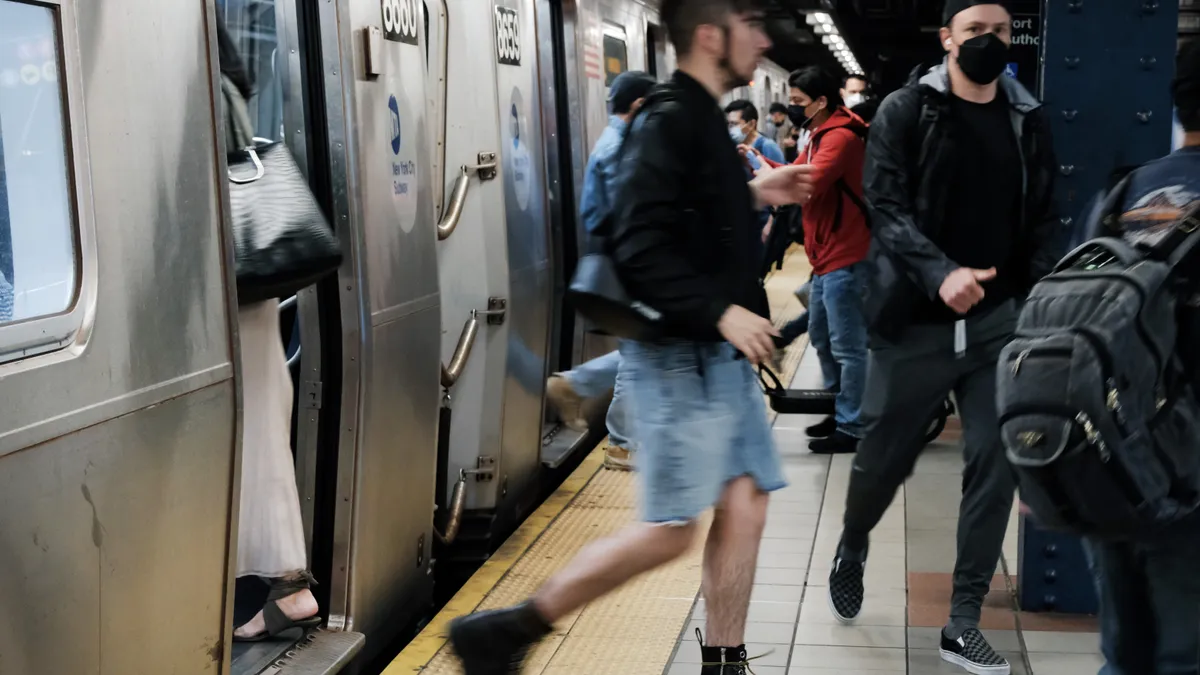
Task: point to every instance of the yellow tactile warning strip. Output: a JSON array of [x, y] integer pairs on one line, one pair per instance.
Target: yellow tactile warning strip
[[631, 631]]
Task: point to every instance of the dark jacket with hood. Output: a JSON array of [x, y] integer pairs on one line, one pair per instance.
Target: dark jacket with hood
[[910, 155], [685, 235]]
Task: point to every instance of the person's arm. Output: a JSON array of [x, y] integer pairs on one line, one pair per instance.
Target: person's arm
[[593, 202], [655, 175], [888, 187]]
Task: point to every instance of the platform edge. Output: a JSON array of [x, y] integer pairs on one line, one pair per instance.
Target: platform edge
[[421, 651]]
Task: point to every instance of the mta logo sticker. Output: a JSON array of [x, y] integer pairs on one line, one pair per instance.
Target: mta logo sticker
[[394, 107]]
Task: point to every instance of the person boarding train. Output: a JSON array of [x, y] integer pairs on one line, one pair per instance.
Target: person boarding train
[[568, 392]]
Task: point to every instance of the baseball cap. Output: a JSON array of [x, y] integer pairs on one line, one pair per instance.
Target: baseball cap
[[953, 7], [627, 88]]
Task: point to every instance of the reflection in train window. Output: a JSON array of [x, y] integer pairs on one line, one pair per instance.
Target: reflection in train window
[[253, 24], [616, 59], [38, 253]]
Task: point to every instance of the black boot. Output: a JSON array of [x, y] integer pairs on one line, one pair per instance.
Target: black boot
[[495, 642], [722, 660]]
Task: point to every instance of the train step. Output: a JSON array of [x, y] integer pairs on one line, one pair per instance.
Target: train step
[[321, 652]]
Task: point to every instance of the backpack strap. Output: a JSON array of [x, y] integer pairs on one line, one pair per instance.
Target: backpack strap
[[931, 112], [1183, 239], [1113, 206], [841, 184]]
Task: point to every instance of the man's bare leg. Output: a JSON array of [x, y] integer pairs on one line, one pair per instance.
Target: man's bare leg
[[607, 563], [730, 559]]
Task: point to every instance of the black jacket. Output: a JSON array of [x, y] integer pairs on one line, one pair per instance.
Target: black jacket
[[909, 156], [686, 240]]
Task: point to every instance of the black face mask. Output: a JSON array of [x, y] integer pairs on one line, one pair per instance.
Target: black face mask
[[983, 58], [796, 114]]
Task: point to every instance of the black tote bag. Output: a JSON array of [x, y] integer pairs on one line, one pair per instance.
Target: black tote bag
[[282, 242]]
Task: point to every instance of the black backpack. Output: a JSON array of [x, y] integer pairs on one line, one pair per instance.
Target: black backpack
[[1097, 415]]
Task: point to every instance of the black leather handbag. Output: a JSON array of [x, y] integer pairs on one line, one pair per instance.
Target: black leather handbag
[[282, 242], [597, 294]]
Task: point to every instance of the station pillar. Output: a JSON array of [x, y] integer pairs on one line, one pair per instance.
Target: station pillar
[[1106, 69]]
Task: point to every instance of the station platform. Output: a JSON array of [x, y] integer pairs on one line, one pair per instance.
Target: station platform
[[648, 626]]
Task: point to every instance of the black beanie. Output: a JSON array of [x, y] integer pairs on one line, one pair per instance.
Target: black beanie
[[955, 6]]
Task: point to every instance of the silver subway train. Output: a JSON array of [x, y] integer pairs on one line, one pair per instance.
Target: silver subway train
[[446, 141]]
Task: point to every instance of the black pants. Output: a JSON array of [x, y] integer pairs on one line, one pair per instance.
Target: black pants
[[907, 381]]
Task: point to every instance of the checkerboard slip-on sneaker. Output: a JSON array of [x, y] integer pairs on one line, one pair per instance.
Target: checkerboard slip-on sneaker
[[972, 653], [846, 588]]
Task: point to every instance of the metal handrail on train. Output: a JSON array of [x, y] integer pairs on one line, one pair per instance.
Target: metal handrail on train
[[462, 352], [486, 170], [458, 501]]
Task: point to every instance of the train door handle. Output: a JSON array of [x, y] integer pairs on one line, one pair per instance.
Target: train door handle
[[497, 308], [485, 168]]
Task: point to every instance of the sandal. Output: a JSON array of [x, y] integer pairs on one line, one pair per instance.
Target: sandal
[[277, 622]]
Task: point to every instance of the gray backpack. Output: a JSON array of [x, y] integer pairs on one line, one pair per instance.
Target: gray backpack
[[1097, 416]]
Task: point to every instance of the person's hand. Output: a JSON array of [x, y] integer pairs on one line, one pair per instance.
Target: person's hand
[[749, 333], [789, 142], [961, 289], [780, 186], [766, 231]]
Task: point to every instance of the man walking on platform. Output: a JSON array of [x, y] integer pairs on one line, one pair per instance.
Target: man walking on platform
[[958, 177], [685, 243]]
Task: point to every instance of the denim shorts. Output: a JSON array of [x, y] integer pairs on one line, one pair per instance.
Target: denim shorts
[[700, 421]]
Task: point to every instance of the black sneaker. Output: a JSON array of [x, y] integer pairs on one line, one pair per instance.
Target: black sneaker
[[825, 429], [846, 586], [496, 642], [840, 443], [972, 653]]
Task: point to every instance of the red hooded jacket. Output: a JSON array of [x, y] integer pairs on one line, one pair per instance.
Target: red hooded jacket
[[836, 152]]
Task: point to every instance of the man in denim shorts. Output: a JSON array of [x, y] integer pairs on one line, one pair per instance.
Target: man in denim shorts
[[686, 243]]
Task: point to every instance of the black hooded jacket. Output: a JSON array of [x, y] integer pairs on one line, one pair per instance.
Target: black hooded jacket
[[910, 155]]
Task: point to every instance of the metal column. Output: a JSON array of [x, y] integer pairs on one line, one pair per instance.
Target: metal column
[[1106, 73]]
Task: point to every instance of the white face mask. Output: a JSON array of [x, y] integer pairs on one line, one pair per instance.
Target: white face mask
[[854, 99]]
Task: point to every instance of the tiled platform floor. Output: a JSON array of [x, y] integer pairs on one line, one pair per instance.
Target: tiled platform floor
[[907, 579], [647, 626]]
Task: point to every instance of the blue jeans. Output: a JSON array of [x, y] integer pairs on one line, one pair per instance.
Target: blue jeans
[[838, 331], [1149, 605], [592, 380], [700, 422]]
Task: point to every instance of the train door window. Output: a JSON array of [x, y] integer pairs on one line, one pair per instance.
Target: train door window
[[616, 56], [260, 31], [655, 44], [254, 27], [40, 264]]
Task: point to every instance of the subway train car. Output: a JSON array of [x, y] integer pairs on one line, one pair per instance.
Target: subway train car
[[446, 142]]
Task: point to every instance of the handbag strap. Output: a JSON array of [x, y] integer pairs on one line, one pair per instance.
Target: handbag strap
[[237, 118]]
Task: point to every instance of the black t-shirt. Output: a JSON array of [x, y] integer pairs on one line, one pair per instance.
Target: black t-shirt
[[983, 212]]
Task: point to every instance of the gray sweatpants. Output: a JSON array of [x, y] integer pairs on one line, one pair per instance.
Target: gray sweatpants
[[907, 382]]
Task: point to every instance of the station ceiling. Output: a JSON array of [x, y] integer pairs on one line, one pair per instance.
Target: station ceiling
[[888, 37]]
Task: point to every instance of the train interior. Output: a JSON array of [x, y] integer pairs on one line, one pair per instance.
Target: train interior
[[446, 142]]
